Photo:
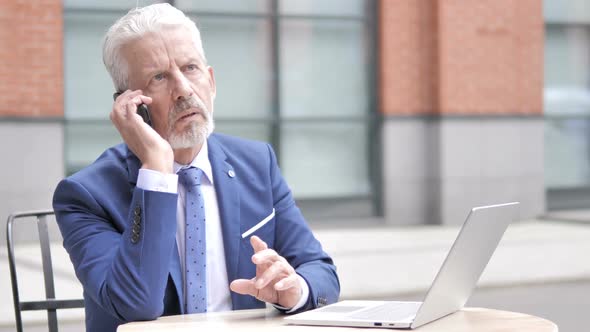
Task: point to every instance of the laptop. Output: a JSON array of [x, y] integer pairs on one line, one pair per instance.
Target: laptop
[[477, 240]]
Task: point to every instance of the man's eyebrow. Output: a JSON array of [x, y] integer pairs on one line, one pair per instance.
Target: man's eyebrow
[[195, 60], [151, 69]]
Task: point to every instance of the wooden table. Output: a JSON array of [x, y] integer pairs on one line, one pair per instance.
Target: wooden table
[[466, 320]]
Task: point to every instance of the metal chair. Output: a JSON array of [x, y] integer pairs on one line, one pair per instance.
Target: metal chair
[[51, 304]]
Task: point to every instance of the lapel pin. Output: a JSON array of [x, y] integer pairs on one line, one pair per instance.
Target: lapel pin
[[231, 173]]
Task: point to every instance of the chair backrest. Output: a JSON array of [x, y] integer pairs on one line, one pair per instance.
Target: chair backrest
[[50, 304]]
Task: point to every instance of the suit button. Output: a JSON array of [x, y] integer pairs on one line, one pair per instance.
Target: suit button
[[137, 220], [134, 238], [136, 229], [137, 210]]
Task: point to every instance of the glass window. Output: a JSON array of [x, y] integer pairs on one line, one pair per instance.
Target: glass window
[[238, 49], [322, 7], [253, 129], [224, 6], [88, 86], [86, 140], [93, 5], [567, 105], [567, 151], [326, 159], [567, 100], [567, 69], [567, 11], [323, 69], [292, 73]]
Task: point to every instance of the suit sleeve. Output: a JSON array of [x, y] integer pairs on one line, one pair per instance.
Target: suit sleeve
[[123, 270], [295, 241]]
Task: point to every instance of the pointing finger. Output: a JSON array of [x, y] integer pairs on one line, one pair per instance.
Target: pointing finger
[[266, 256], [257, 244]]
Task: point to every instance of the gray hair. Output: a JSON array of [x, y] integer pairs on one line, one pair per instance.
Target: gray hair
[[135, 24]]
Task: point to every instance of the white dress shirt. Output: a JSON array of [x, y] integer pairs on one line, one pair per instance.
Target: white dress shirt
[[218, 292]]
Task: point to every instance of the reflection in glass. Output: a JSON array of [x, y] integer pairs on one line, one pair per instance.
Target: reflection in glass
[[88, 86], [322, 7], [238, 51], [567, 153], [323, 74], [325, 159], [255, 130], [232, 6], [323, 69], [567, 11], [566, 99], [567, 58], [125, 5], [86, 141]]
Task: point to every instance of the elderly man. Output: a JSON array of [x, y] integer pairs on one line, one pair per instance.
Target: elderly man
[[154, 226]]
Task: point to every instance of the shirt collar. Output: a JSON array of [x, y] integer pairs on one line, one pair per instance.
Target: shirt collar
[[201, 161]]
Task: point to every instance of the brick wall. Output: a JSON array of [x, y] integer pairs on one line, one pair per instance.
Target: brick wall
[[408, 44], [461, 56], [31, 58]]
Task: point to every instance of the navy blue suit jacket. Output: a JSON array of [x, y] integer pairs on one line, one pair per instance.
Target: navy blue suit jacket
[[131, 275]]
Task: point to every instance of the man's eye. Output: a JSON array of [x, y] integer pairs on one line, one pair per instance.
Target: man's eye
[[191, 67], [159, 77]]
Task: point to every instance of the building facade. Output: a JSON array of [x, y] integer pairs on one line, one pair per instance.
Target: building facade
[[408, 111]]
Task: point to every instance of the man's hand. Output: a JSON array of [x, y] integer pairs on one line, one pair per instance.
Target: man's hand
[[154, 152], [275, 282]]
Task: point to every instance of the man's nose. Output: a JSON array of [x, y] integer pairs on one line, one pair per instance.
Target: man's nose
[[182, 87]]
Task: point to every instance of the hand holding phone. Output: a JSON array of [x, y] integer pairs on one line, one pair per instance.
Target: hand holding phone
[[142, 110], [153, 151]]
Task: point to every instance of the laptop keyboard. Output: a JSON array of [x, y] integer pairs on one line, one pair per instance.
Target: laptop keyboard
[[389, 311]]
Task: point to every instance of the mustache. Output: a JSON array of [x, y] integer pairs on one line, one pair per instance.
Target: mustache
[[187, 103]]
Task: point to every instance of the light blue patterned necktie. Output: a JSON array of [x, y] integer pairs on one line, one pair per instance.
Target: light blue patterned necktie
[[195, 245]]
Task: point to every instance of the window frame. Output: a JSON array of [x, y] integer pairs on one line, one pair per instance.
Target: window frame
[[347, 205]]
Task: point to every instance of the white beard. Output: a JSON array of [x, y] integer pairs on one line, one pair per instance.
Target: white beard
[[195, 135], [197, 132]]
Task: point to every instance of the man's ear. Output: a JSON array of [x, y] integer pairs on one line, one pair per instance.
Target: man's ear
[[212, 82]]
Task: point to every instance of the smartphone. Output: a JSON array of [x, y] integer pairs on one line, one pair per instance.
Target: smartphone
[[142, 110]]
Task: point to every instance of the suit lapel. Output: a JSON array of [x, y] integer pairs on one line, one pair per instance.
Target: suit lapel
[[133, 165], [229, 206]]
